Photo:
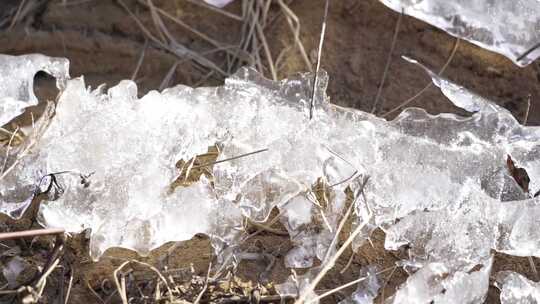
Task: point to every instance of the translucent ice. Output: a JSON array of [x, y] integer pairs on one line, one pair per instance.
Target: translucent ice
[[17, 81], [435, 283], [118, 165], [516, 288], [218, 3], [367, 290], [510, 28]]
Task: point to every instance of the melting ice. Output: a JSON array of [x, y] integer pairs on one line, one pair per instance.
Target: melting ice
[[110, 161], [510, 28]]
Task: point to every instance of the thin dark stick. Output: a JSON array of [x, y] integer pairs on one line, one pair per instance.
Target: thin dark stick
[[30, 233], [319, 54], [536, 46], [228, 159], [388, 61]]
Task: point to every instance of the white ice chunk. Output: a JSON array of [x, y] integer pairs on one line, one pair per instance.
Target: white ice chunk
[[516, 288], [17, 81], [218, 3], [435, 283], [510, 28]]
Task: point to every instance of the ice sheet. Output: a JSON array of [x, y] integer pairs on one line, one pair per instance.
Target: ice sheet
[[510, 28]]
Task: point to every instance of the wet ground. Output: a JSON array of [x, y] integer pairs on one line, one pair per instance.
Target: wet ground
[[104, 43]]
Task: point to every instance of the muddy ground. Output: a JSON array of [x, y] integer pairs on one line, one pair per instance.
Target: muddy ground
[[104, 43]]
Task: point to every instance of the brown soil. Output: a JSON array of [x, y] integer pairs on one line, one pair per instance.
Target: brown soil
[[104, 43]]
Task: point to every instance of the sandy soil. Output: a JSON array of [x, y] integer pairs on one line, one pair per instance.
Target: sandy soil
[[104, 43]]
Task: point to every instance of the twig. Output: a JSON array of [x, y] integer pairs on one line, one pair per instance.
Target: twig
[[33, 140], [140, 61], [121, 288], [19, 137], [203, 79], [329, 262], [65, 3], [30, 233], [532, 49], [70, 284], [266, 51], [267, 228], [179, 50], [348, 263], [344, 219], [269, 224], [8, 149], [40, 285], [526, 117], [441, 71], [92, 291], [386, 283], [229, 159], [332, 291], [353, 176], [388, 61], [199, 297], [533, 267], [295, 29], [167, 79], [16, 17], [319, 54], [194, 31]]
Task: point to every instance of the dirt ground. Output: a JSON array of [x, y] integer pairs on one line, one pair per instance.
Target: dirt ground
[[104, 43]]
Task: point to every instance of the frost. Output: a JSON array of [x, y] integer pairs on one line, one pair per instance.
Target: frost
[[119, 165], [515, 288], [510, 28]]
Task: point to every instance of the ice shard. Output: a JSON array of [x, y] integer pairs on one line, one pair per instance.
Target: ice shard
[[511, 28], [218, 3], [17, 81], [516, 288], [435, 283]]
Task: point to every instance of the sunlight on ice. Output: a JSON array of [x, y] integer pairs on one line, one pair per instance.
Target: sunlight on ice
[[509, 28], [108, 159]]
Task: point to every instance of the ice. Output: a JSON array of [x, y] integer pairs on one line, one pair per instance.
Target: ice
[[118, 164], [515, 288], [13, 269], [510, 28], [367, 289], [297, 284], [17, 81], [435, 283], [218, 3]]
